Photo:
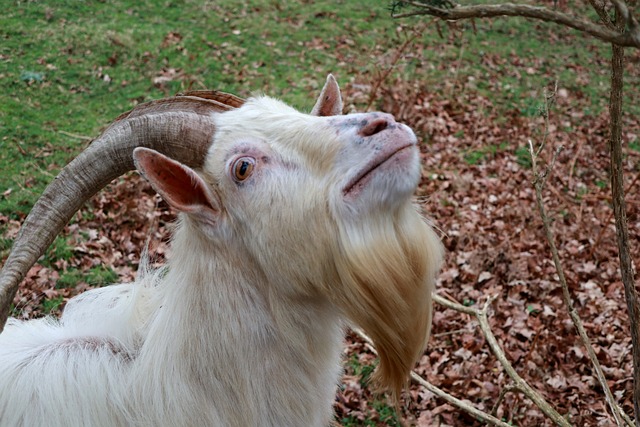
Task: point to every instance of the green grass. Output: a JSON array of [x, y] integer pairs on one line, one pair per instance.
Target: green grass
[[69, 279], [59, 250], [5, 245], [96, 276], [532, 62], [101, 276], [474, 157], [67, 68], [385, 415], [51, 304], [523, 157], [602, 184], [55, 58], [362, 371], [378, 410]]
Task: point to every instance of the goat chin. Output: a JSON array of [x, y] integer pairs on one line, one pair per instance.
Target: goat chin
[[295, 227], [386, 280]]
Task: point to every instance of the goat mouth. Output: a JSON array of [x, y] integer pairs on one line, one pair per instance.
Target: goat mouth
[[360, 179]]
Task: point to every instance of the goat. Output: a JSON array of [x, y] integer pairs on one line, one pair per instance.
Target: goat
[[291, 227]]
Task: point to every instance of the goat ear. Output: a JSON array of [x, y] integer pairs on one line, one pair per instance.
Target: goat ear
[[330, 101], [179, 185]]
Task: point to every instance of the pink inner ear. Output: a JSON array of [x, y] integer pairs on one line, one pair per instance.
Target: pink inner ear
[[330, 101], [180, 186]]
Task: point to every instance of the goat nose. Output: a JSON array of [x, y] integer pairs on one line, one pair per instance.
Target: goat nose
[[375, 125]]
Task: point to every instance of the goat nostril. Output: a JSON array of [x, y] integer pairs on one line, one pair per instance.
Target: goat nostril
[[374, 126]]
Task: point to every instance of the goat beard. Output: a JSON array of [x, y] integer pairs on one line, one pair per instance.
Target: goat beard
[[386, 270]]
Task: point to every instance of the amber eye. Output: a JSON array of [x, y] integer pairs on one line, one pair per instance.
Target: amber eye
[[243, 167]]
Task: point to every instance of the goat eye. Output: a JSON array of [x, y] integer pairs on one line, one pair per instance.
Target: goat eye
[[242, 168]]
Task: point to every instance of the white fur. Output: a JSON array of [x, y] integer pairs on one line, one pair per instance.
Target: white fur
[[244, 327]]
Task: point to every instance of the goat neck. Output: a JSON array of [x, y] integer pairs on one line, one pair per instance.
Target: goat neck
[[232, 333]]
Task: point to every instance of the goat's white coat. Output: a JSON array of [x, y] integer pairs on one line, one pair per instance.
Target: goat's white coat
[[245, 326]]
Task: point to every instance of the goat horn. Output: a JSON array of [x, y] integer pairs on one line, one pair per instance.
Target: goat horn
[[216, 95], [180, 127]]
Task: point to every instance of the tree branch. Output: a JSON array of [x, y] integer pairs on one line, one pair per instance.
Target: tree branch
[[619, 208], [443, 394], [459, 403], [538, 184], [600, 9], [622, 32], [506, 389], [519, 383], [384, 74], [628, 38], [624, 19]]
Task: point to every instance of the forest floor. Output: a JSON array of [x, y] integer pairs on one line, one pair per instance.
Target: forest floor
[[475, 97]]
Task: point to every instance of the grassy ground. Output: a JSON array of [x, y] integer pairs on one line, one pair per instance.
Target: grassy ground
[[67, 68]]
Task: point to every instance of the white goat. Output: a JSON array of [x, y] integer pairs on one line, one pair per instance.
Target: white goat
[[293, 226]]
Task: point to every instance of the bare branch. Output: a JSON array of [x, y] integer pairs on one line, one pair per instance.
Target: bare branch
[[457, 402], [628, 38], [455, 306], [549, 99], [519, 382], [75, 135], [382, 76], [599, 7], [497, 350], [538, 184], [443, 394], [624, 17], [506, 389], [619, 209]]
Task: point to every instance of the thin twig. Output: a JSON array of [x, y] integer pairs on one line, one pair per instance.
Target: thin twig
[[575, 158], [448, 333], [549, 98], [497, 350], [459, 403], [456, 70], [602, 14], [75, 135], [383, 75], [443, 394], [506, 389], [538, 184]]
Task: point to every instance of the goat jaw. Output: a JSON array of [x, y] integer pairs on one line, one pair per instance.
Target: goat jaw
[[387, 166]]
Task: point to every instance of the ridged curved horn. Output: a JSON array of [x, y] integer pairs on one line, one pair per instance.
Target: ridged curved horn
[[180, 127], [216, 95]]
